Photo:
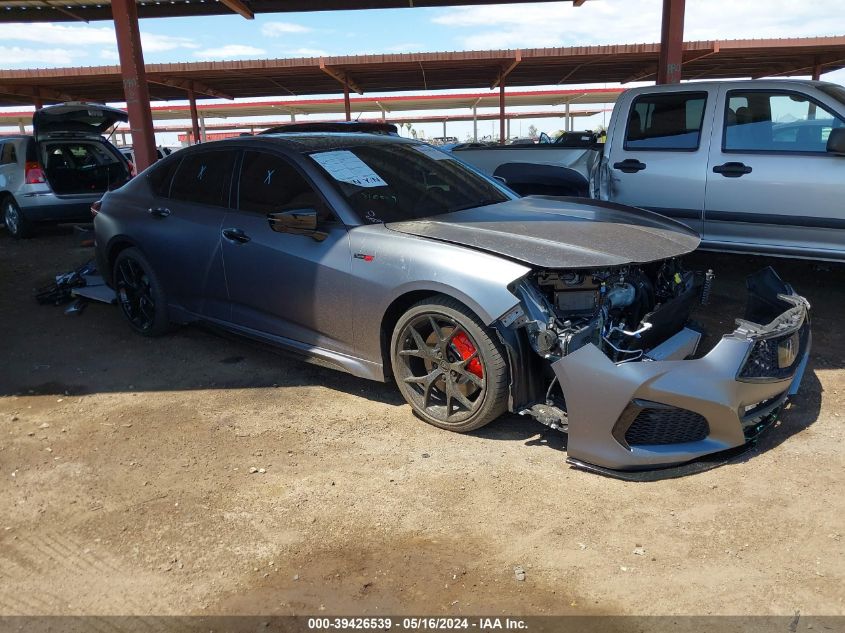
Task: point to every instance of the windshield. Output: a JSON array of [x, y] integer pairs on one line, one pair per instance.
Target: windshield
[[393, 182]]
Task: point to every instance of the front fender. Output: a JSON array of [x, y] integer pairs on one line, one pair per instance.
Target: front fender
[[387, 265]]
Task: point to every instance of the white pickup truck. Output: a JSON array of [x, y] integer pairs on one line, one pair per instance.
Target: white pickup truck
[[754, 166]]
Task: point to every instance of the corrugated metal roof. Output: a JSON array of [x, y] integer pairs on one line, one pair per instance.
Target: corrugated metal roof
[[431, 71], [70, 10]]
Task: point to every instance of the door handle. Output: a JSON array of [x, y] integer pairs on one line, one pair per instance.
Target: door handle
[[236, 235], [159, 212], [732, 169], [629, 166]]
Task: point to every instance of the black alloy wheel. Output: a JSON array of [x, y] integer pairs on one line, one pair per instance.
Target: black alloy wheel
[[140, 294], [447, 366]]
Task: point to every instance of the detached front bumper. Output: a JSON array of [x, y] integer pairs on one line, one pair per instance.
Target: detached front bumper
[[661, 413]]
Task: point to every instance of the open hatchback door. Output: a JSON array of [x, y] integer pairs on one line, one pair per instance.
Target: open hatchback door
[[75, 119]]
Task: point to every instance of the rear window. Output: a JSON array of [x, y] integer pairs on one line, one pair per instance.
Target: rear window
[[666, 121], [776, 121], [204, 178], [160, 177], [8, 155]]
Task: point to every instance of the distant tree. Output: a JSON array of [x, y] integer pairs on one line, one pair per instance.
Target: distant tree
[[532, 131]]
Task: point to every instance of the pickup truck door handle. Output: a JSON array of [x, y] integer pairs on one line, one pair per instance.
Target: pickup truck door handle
[[732, 170], [159, 212], [629, 166], [236, 235]]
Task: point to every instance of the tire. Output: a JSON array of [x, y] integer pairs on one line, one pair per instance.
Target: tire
[[140, 294], [16, 223], [447, 366]]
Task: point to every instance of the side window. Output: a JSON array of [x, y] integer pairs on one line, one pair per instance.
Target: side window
[[269, 183], [204, 177], [666, 121], [760, 121], [161, 177], [8, 156]]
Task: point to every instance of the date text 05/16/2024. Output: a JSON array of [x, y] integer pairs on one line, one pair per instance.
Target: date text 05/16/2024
[[416, 624]]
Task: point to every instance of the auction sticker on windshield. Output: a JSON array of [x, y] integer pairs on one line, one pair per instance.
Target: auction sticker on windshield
[[345, 166]]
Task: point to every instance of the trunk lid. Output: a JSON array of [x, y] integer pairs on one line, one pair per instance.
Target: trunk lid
[[552, 232], [75, 120]]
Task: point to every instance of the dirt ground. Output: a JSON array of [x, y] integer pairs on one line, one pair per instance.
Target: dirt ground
[[126, 484]]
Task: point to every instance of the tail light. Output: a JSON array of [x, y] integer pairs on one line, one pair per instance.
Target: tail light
[[132, 171], [33, 174], [95, 208]]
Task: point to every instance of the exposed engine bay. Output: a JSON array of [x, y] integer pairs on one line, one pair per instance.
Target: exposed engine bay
[[623, 311], [621, 373]]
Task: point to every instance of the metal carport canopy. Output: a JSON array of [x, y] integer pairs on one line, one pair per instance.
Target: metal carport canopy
[[70, 10], [432, 71], [370, 103], [126, 14]]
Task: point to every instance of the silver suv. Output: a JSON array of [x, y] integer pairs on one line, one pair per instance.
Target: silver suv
[[58, 172]]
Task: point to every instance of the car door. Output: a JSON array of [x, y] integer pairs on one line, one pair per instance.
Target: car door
[[771, 186], [289, 286], [658, 160], [182, 225]]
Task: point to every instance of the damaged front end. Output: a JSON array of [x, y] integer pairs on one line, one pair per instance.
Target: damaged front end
[[622, 376]]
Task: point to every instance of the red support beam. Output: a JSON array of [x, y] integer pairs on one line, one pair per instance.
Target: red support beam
[[135, 89], [502, 113], [347, 107], [817, 68], [195, 120], [671, 42]]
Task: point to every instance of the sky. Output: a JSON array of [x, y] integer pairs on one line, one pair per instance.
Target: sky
[[418, 30]]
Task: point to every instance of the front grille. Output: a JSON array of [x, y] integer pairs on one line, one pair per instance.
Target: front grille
[[762, 362], [666, 425]]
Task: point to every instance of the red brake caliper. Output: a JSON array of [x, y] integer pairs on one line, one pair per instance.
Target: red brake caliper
[[466, 349]]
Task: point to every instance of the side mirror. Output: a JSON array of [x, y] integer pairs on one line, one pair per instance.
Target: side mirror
[[500, 179], [296, 222], [836, 141]]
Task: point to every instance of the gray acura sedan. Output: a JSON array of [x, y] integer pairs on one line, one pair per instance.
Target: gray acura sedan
[[389, 259]]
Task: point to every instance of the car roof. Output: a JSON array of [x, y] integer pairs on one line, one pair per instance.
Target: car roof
[[702, 85], [311, 141], [374, 127]]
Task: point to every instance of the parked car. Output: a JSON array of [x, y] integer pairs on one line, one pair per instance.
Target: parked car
[[58, 172], [387, 258], [755, 166]]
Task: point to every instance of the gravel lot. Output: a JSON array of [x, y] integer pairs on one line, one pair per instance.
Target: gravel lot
[[126, 484]]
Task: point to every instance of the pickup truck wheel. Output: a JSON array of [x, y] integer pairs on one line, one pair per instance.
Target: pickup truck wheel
[[140, 293], [448, 367], [16, 223]]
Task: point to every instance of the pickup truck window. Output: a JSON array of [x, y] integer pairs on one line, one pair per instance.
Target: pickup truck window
[[776, 121], [666, 121]]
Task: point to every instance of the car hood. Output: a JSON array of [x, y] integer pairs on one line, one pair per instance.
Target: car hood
[[75, 119], [554, 232]]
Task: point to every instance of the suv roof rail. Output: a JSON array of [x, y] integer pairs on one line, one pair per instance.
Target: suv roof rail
[[364, 127]]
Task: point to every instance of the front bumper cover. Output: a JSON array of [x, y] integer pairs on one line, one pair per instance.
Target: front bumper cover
[[656, 414]]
